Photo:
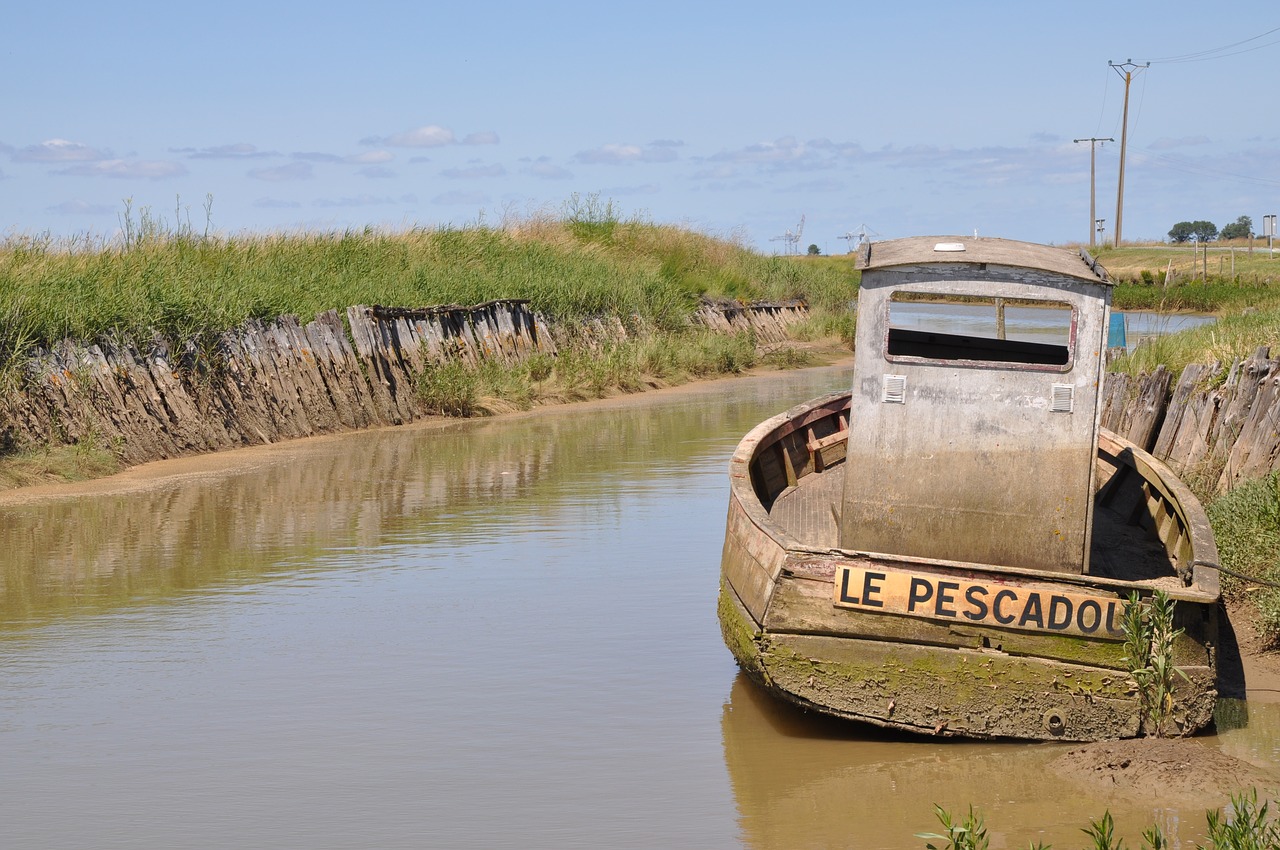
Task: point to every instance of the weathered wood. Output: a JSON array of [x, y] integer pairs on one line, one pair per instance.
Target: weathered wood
[[267, 381]]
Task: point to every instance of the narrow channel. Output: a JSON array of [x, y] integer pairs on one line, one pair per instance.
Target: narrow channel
[[489, 634]]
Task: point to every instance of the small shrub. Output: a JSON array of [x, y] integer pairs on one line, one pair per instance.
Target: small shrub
[[449, 389], [788, 357], [1248, 828], [1149, 636], [1102, 833], [540, 367], [1246, 526], [968, 834]]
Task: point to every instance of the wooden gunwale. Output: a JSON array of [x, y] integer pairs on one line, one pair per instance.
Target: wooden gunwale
[[1185, 530]]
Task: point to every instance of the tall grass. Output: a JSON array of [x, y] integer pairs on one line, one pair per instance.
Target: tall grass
[[184, 284], [1231, 338], [1246, 526], [654, 360]]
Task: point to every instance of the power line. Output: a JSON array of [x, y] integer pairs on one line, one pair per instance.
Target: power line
[[1187, 167], [1217, 52]]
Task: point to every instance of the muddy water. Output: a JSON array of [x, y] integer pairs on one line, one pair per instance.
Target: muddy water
[[488, 635]]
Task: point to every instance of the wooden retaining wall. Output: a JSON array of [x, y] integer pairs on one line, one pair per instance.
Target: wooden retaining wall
[[767, 320], [1223, 430], [270, 381]]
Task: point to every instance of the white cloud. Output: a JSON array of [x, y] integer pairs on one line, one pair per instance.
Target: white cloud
[[430, 136], [78, 207], [238, 150], [784, 150], [127, 169], [316, 156], [615, 154], [547, 170], [58, 150], [474, 171], [621, 191], [283, 173], [820, 186], [1166, 143], [276, 204], [717, 172], [471, 199], [365, 200], [742, 185], [372, 157]]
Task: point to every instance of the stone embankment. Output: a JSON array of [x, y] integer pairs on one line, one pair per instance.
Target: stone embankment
[[269, 381]]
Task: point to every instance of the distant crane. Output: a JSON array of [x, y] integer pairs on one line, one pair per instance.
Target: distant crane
[[856, 239], [791, 238]]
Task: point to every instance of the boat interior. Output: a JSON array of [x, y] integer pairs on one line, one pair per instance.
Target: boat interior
[[1140, 533]]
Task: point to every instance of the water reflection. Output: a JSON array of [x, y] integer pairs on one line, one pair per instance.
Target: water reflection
[[801, 780], [352, 499], [496, 634], [1033, 324], [1047, 324]]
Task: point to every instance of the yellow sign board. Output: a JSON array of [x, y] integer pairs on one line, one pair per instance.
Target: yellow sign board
[[987, 603]]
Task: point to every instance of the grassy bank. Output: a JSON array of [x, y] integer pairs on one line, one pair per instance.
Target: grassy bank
[[1246, 301], [589, 262]]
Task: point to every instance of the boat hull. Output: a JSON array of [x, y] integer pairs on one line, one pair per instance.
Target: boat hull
[[1036, 669]]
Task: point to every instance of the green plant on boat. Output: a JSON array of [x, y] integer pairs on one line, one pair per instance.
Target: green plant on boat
[[1149, 636]]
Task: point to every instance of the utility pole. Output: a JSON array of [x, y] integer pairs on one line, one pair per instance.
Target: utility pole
[[1093, 220], [1126, 70]]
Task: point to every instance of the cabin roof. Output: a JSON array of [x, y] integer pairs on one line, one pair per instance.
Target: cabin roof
[[924, 250]]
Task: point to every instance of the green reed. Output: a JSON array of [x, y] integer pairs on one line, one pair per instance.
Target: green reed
[[1232, 337], [186, 285], [1246, 526], [1149, 637], [654, 359], [1246, 825]]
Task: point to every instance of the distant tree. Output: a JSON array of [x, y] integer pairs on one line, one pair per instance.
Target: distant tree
[[1241, 228], [814, 251], [1201, 231], [1205, 231]]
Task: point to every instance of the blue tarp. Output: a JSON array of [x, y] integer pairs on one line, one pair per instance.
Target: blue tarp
[[1115, 334]]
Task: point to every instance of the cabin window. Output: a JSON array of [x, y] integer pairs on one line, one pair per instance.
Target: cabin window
[[980, 328]]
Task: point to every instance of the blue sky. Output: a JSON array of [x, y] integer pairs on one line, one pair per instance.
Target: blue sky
[[736, 119]]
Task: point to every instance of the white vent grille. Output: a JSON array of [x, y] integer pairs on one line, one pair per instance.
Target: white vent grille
[[1064, 398], [895, 389]]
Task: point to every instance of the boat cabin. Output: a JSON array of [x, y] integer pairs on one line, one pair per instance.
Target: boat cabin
[[978, 370]]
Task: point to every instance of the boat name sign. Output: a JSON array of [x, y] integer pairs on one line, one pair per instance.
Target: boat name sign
[[988, 603]]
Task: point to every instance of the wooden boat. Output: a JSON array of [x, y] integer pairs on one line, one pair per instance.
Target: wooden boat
[[949, 547]]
